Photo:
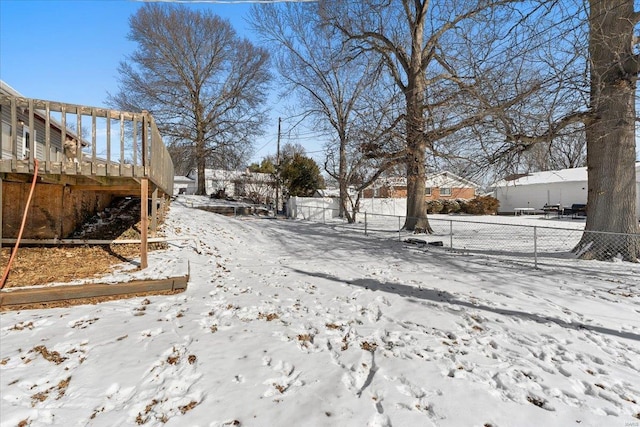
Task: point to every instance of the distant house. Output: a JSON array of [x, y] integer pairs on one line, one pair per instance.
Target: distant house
[[333, 192], [258, 187], [183, 185], [563, 187], [438, 186]]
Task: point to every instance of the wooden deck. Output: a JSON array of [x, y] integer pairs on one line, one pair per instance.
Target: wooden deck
[[118, 179], [115, 153], [111, 145]]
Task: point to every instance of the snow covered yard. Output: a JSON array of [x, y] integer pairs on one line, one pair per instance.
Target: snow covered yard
[[295, 323]]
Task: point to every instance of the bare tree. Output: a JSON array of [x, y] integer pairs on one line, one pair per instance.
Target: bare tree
[[563, 152], [608, 118], [203, 84], [610, 130], [333, 86], [425, 47]]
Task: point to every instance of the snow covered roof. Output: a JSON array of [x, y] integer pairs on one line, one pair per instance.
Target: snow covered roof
[[448, 179], [231, 175], [7, 89], [440, 179], [180, 178], [549, 177], [332, 192]]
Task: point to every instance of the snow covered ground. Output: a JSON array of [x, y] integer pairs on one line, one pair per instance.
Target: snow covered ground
[[293, 323]]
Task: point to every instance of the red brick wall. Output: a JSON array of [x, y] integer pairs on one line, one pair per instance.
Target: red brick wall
[[456, 193], [401, 192]]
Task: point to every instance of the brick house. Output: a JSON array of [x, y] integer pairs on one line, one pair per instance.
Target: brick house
[[442, 185]]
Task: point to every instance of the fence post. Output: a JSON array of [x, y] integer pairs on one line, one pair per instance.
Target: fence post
[[535, 246], [324, 210], [365, 223], [450, 234], [399, 239]]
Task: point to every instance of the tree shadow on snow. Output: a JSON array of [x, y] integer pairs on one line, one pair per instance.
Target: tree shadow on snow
[[444, 297]]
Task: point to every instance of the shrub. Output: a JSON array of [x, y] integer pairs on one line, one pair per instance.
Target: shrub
[[482, 205], [450, 206], [434, 206]]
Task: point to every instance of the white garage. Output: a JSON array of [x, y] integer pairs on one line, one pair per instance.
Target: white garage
[[563, 187]]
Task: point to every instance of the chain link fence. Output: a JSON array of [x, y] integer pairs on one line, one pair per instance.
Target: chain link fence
[[474, 235]]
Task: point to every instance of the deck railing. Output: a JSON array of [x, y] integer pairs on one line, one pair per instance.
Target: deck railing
[[113, 143]]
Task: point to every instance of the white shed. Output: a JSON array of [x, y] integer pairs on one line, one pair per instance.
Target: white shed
[[562, 187], [183, 185]]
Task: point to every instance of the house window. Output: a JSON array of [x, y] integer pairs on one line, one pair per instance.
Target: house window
[[445, 191], [26, 138], [427, 191], [6, 140]]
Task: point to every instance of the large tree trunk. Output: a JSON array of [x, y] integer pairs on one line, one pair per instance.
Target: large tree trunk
[[611, 200], [344, 189], [200, 165], [416, 220], [416, 140], [201, 161], [201, 157]]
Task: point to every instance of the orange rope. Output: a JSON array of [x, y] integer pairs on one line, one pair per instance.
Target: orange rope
[[24, 220]]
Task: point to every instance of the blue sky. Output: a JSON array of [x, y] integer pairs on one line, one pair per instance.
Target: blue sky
[[69, 51]]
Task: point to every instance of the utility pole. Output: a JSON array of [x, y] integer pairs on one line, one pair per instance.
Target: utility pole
[[278, 168]]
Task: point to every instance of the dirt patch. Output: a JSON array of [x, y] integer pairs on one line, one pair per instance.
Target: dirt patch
[[42, 265], [39, 265]]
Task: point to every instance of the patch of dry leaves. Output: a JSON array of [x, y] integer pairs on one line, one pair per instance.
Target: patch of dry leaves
[[41, 265]]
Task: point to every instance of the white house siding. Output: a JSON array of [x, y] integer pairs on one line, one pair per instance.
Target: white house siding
[[537, 195], [313, 207], [188, 185], [563, 187], [235, 183]]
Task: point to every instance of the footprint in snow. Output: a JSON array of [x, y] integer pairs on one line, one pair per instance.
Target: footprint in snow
[[284, 382], [167, 388], [419, 395], [115, 398], [357, 378], [379, 419]]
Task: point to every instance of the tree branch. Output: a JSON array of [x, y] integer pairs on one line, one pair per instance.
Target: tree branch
[[584, 117]]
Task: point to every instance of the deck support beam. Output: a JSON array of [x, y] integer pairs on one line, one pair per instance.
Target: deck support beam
[[144, 222], [0, 211], [154, 212]]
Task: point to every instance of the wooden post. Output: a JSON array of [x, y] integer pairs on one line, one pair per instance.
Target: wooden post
[[144, 221], [47, 137], [121, 142], [145, 140], [135, 142], [0, 211], [14, 129], [32, 136], [93, 137], [154, 211], [108, 167], [78, 165]]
